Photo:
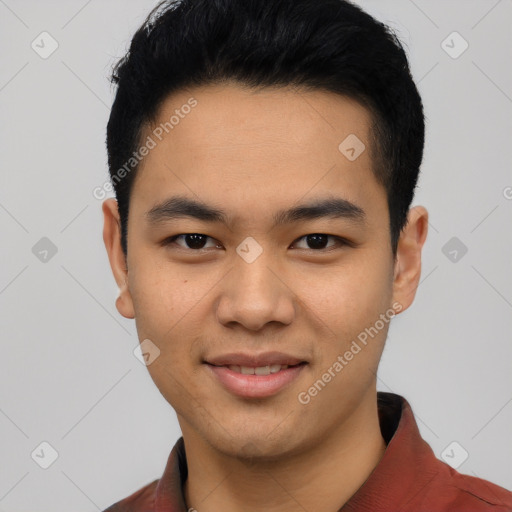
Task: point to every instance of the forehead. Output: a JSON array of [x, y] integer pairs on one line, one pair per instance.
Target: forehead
[[279, 144]]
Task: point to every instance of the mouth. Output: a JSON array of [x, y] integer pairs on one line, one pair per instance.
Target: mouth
[[260, 370], [255, 361], [260, 381]]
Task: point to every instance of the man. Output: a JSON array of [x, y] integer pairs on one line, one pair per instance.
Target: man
[[264, 157]]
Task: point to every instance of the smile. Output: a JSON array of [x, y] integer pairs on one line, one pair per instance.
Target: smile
[[255, 382], [259, 370]]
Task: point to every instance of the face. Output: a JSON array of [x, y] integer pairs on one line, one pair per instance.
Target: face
[[284, 260]]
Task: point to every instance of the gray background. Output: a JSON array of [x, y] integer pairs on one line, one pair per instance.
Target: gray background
[[68, 375]]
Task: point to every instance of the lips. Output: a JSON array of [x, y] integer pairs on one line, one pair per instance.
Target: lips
[[255, 360], [259, 370], [255, 375]]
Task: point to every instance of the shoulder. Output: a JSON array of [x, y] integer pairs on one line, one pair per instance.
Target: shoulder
[[143, 500], [464, 493]]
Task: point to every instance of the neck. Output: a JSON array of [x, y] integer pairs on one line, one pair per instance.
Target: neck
[[321, 478]]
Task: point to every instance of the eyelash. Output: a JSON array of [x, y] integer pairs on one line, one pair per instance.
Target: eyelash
[[340, 242]]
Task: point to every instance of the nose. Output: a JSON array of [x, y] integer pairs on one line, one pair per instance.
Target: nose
[[255, 294]]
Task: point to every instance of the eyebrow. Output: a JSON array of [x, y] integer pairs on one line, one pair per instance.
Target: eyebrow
[[183, 207]]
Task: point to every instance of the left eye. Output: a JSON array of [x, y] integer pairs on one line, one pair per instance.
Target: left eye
[[318, 241]]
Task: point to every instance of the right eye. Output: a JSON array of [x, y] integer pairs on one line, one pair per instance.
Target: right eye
[[191, 241]]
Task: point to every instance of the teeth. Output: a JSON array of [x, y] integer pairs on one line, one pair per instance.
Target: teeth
[[260, 370]]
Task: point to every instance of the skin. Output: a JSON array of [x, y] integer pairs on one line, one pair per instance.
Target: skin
[[253, 153]]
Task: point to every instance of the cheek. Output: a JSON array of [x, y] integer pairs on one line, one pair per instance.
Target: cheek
[[164, 296], [350, 297], [170, 311], [171, 304]]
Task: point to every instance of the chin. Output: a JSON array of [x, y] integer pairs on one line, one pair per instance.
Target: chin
[[260, 445]]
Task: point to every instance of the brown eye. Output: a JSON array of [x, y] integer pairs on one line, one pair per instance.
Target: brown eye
[[192, 241], [318, 241]]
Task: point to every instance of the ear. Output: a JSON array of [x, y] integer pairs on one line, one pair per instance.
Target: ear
[[112, 240], [408, 258]]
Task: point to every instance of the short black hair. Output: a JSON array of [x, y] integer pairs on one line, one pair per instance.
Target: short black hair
[[330, 45]]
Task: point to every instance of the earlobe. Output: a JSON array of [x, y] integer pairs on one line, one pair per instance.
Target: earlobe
[[408, 261], [118, 264]]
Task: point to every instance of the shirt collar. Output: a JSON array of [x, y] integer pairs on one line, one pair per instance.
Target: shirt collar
[[407, 466]]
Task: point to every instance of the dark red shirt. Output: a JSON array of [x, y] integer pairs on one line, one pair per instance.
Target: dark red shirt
[[408, 477]]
